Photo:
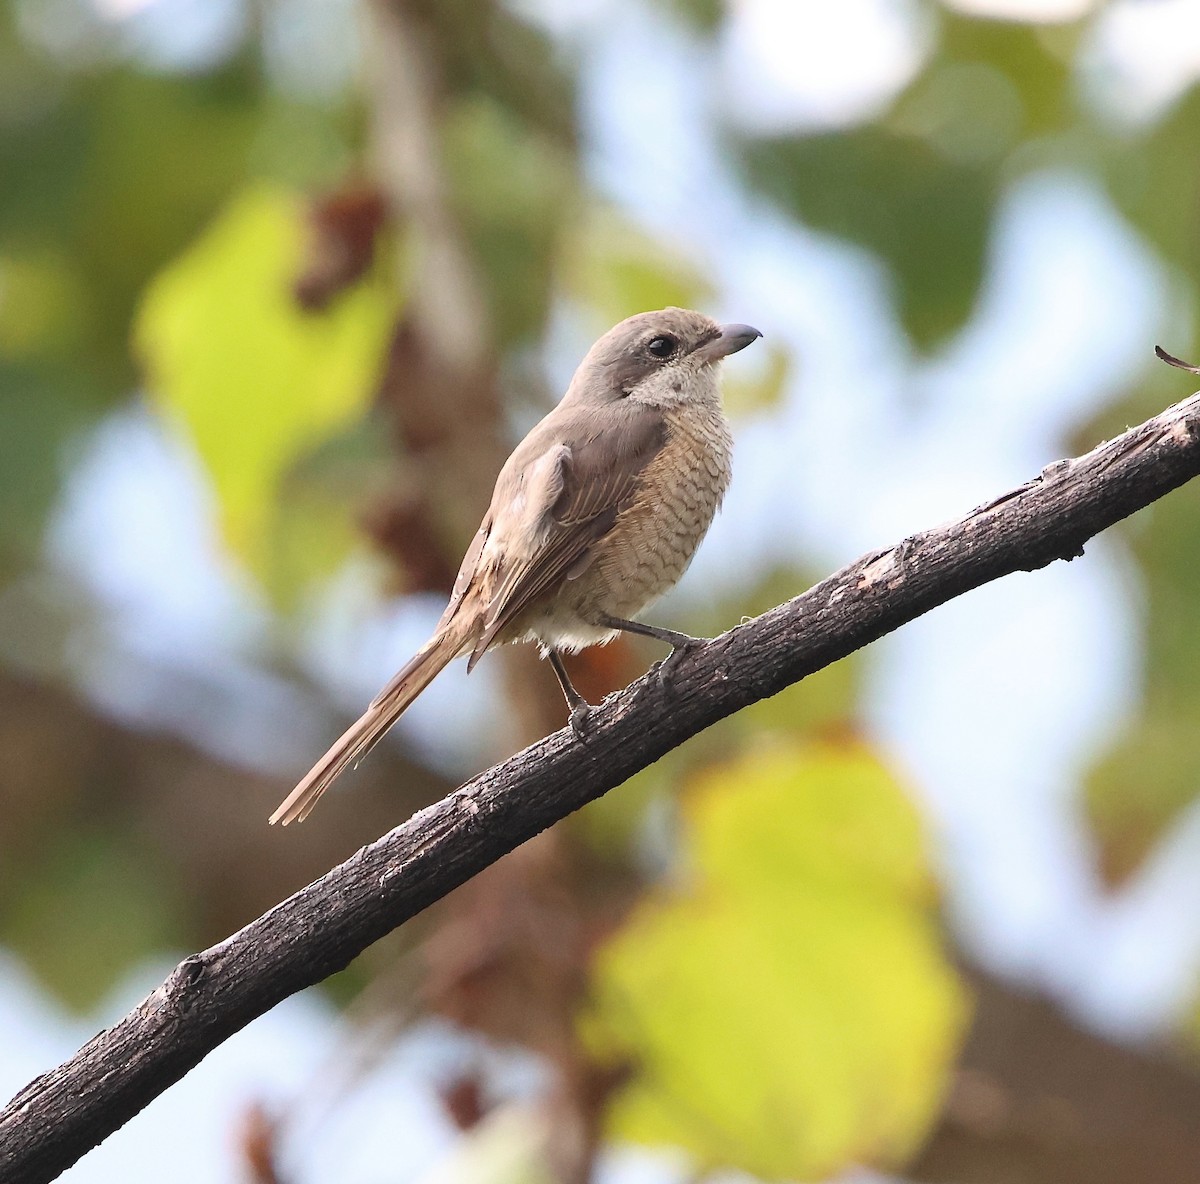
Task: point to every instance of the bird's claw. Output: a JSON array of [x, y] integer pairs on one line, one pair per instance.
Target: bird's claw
[[581, 720], [664, 671]]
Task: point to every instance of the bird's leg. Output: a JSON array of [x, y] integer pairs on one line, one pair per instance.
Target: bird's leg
[[581, 709], [679, 642]]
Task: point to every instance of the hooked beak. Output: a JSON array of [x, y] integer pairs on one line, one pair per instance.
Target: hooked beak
[[731, 339]]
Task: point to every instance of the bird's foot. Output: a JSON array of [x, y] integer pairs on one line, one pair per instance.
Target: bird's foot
[[581, 719], [580, 708], [665, 671]]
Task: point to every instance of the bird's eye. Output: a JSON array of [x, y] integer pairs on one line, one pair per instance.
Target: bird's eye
[[662, 347]]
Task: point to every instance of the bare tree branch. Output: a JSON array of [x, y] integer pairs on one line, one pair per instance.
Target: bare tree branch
[[316, 932]]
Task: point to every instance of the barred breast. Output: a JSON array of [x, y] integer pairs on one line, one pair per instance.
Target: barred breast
[[653, 540]]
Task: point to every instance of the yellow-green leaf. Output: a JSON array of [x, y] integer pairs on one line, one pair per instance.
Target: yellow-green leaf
[[791, 1012], [253, 380]]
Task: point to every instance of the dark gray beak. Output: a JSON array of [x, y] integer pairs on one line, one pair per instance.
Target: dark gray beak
[[733, 338]]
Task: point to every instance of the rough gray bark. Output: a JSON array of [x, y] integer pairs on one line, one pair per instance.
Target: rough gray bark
[[316, 932]]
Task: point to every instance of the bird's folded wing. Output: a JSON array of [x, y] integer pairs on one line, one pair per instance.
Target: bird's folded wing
[[466, 571], [585, 479]]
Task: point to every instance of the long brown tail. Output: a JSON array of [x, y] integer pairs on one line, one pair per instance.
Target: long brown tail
[[362, 735]]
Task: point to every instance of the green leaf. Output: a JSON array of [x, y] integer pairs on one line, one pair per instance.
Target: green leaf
[[880, 190], [919, 187], [255, 382], [792, 1012]]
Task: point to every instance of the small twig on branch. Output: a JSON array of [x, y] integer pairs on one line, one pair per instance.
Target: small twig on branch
[[316, 932], [1172, 360]]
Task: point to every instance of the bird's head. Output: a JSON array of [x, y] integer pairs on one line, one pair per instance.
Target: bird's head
[[665, 358]]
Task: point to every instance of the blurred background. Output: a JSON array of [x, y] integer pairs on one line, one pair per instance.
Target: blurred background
[[281, 283]]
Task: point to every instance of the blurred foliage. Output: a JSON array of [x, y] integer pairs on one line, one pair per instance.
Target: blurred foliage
[[52, 922], [516, 223], [509, 1146], [918, 189], [1155, 177], [256, 382], [747, 395], [485, 49], [787, 1009], [612, 265], [1139, 789], [821, 706], [1150, 775], [878, 189], [702, 15], [109, 171]]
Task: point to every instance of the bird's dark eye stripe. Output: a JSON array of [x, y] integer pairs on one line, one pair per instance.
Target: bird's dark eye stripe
[[662, 347]]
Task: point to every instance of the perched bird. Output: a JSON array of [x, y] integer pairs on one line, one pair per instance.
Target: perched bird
[[594, 516]]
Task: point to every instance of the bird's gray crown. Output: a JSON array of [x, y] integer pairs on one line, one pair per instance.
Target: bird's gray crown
[[663, 356]]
